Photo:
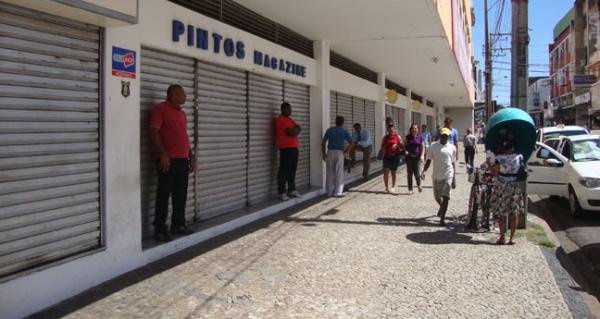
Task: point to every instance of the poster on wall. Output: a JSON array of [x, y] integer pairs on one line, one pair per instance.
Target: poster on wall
[[123, 62]]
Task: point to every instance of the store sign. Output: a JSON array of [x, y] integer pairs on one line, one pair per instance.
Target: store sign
[[584, 80], [203, 39], [123, 62], [582, 99], [595, 97]]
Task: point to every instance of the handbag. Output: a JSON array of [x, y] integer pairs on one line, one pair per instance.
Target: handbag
[[380, 154]]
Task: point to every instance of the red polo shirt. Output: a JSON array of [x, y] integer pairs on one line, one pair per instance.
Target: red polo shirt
[[285, 141], [171, 122]]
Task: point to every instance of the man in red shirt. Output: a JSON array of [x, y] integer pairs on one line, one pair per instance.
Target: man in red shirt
[[168, 133], [287, 136]]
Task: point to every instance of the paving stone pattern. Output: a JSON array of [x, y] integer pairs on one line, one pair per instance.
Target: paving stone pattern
[[368, 255]]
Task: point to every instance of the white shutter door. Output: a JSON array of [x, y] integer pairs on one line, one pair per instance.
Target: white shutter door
[[389, 113], [345, 109], [333, 111], [401, 126], [429, 123], [222, 140], [159, 70], [49, 138], [265, 98], [299, 97], [370, 122], [358, 116]]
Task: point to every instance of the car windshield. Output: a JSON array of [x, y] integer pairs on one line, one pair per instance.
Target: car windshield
[[563, 133], [587, 150]]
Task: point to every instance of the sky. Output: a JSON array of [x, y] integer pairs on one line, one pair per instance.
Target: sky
[[543, 16]]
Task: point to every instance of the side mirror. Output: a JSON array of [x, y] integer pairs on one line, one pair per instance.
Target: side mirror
[[553, 162]]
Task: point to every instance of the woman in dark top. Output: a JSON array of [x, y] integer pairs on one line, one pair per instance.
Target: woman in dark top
[[415, 146]]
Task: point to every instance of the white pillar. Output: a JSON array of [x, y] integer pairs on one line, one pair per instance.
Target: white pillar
[[319, 113], [379, 114], [408, 112], [423, 112]]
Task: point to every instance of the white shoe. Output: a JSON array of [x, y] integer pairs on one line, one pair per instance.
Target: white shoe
[[294, 194], [393, 190], [283, 197]]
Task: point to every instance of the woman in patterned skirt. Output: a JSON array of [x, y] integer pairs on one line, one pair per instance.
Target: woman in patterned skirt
[[507, 198]]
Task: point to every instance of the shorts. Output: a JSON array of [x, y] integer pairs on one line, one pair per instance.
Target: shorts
[[441, 188], [391, 162]]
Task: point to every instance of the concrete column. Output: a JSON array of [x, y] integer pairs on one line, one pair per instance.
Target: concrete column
[[319, 113], [379, 114], [423, 112]]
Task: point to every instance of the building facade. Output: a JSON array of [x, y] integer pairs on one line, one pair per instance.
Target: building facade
[[78, 80], [538, 99], [562, 67]]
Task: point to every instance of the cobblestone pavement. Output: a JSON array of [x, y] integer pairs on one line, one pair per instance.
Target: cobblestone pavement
[[368, 255]]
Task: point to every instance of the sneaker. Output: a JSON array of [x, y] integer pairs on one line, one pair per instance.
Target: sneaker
[[294, 194], [162, 236], [283, 197], [339, 195], [410, 192], [181, 231]]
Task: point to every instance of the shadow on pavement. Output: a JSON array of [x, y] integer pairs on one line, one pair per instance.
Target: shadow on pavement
[[444, 237]]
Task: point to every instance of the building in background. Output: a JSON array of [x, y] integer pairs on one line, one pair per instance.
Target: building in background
[[77, 169], [587, 61], [538, 98], [562, 52]]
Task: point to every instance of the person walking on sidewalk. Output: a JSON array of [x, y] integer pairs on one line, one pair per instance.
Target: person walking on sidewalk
[[415, 150], [507, 199], [453, 134], [427, 138], [175, 161], [392, 147], [287, 137], [334, 139], [443, 155], [470, 145], [362, 142]]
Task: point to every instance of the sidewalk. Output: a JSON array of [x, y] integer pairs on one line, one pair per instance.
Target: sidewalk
[[368, 255]]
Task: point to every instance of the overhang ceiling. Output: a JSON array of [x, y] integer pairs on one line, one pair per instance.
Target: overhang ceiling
[[403, 39]]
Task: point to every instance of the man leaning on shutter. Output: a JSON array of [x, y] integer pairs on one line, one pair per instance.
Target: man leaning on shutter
[[174, 162]]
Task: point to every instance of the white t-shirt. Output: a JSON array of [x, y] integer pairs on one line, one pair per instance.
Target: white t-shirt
[[442, 156]]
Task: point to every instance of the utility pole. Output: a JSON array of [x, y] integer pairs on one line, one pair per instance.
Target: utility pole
[[488, 67], [519, 61]]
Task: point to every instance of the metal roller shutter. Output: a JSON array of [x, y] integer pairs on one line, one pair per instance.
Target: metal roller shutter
[[358, 116], [402, 129], [333, 111], [415, 118], [370, 122], [344, 108], [429, 123], [49, 138], [158, 71], [299, 97], [265, 97], [222, 140], [388, 112]]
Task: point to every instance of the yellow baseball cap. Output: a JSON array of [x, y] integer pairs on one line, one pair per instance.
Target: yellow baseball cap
[[445, 131]]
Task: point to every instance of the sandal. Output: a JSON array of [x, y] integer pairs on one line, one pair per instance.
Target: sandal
[[500, 242], [510, 242]]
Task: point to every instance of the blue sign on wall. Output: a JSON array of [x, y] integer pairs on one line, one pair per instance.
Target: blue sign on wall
[[123, 62]]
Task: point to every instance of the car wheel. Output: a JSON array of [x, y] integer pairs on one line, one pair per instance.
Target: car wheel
[[574, 207]]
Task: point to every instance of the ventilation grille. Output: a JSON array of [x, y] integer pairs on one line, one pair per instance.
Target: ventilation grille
[[393, 85], [243, 18], [352, 67]]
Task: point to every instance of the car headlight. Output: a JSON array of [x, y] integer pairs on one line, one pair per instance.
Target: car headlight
[[589, 182]]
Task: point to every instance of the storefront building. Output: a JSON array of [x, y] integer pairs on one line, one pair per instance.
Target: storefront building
[[77, 176]]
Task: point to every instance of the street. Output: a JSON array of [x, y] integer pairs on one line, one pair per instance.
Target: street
[[579, 239]]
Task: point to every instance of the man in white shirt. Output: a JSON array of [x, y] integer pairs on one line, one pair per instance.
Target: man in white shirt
[[443, 155], [363, 143]]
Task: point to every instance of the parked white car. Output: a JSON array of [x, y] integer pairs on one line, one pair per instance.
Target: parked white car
[[545, 133], [571, 171]]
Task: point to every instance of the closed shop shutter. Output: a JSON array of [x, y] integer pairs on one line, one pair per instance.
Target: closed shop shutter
[[416, 118], [49, 138], [222, 140], [299, 97], [370, 122], [358, 116], [158, 71], [430, 123], [402, 129], [389, 113], [333, 111], [344, 108], [265, 97]]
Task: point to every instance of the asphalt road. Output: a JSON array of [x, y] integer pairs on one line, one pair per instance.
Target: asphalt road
[[579, 238]]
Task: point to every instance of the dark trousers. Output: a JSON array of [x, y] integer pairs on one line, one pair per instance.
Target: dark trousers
[[366, 157], [288, 162], [469, 155], [173, 183], [413, 168]]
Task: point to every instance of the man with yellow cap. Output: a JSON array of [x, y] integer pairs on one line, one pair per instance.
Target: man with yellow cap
[[443, 155]]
